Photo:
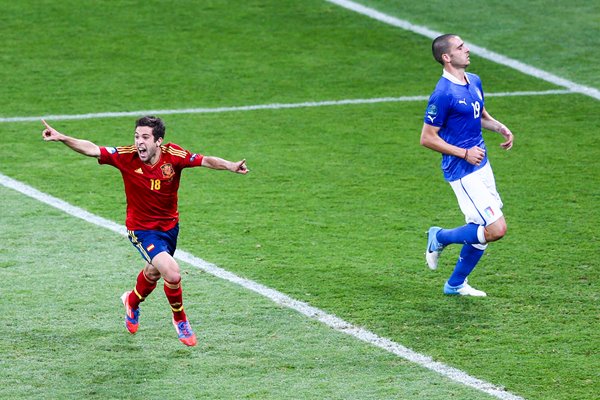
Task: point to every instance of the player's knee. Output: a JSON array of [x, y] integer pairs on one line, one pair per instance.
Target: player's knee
[[172, 274], [172, 281], [495, 231], [167, 267], [151, 273], [500, 233]]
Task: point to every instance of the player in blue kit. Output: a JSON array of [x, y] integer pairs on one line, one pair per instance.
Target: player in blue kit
[[452, 126]]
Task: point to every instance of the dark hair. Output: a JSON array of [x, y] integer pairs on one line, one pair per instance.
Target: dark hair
[[157, 125], [441, 45]]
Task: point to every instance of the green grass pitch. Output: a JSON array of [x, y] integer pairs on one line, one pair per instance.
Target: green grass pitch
[[333, 212]]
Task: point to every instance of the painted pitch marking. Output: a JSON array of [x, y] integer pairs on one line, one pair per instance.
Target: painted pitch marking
[[274, 106], [480, 51], [279, 298]]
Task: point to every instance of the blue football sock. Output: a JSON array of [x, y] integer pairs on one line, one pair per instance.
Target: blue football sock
[[468, 259], [463, 234]]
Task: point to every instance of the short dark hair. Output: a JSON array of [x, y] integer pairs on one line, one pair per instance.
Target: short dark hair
[[441, 45], [157, 125]]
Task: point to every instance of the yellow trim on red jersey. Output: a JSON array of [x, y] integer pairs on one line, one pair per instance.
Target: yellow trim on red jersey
[[174, 152], [126, 149]]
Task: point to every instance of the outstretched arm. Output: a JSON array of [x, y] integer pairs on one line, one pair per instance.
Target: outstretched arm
[[219, 163], [84, 147], [489, 123]]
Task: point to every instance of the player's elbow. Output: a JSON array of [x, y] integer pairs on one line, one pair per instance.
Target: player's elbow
[[91, 151], [428, 136], [425, 141]]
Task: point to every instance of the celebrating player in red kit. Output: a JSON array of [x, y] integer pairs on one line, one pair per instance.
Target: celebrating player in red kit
[[151, 172]]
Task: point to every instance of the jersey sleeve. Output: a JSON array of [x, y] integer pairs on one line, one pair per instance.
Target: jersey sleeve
[[185, 158], [193, 159], [108, 156], [437, 109], [116, 156]]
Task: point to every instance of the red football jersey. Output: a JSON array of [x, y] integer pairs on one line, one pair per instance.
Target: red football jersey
[[151, 190]]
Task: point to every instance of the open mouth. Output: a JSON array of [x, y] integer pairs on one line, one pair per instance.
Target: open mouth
[[142, 152]]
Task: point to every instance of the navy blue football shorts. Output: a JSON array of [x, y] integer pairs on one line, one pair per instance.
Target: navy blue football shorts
[[151, 243]]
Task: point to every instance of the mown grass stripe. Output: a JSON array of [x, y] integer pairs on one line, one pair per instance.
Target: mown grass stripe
[[279, 298]]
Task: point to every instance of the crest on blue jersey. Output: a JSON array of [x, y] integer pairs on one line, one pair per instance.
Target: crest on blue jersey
[[432, 110]]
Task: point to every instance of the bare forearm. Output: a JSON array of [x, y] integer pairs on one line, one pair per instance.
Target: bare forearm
[[84, 147], [238, 167], [216, 163], [492, 125], [431, 140], [441, 146]]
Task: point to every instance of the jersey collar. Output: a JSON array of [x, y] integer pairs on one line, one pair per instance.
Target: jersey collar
[[453, 79]]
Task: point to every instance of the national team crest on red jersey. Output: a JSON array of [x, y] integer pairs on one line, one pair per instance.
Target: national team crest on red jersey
[[156, 210], [167, 170]]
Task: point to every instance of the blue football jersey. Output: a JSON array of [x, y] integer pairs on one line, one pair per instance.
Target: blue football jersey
[[456, 108]]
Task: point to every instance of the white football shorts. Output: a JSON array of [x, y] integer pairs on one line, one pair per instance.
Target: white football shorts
[[477, 196]]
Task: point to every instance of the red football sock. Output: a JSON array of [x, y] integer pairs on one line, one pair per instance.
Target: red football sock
[[175, 297], [143, 288]]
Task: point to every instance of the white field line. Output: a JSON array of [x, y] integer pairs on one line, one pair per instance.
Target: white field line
[[274, 106], [279, 298], [480, 51]]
